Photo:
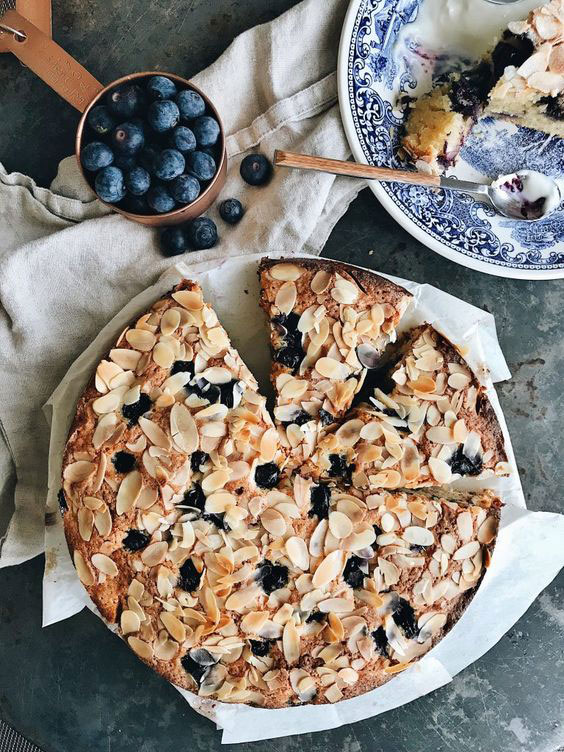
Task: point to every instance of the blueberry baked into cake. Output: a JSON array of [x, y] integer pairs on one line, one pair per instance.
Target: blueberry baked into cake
[[521, 79], [242, 569]]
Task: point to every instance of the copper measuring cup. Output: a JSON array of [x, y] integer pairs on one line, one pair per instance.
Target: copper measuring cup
[[68, 78]]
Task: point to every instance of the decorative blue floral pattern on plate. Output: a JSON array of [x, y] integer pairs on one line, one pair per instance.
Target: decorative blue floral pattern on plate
[[379, 74]]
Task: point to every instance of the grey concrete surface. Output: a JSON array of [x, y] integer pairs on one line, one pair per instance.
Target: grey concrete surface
[[74, 686]]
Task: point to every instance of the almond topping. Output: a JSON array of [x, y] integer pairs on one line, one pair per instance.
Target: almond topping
[[140, 339], [340, 525], [320, 282], [188, 299], [286, 297], [291, 643], [286, 272], [328, 570], [296, 550]]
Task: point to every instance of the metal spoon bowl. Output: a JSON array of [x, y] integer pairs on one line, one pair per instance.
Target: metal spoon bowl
[[526, 195]]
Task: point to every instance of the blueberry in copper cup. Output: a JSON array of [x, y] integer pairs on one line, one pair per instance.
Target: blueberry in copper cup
[[126, 124], [169, 150]]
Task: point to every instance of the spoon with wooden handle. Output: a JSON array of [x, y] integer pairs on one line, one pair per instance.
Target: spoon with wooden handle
[[525, 194]]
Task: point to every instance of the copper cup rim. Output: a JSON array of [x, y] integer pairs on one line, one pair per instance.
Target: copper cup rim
[[175, 213]]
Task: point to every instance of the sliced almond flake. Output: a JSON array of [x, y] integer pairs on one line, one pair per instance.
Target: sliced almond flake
[[128, 491], [396, 668], [154, 433], [340, 525], [344, 292], [328, 570], [129, 622], [105, 564], [308, 319], [349, 433], [125, 358], [105, 428], [318, 537], [320, 282], [217, 375], [154, 554], [147, 497], [389, 571], [124, 378], [466, 551], [183, 429], [286, 272], [163, 355], [79, 471], [268, 445], [140, 648], [359, 540], [458, 380], [92, 502], [370, 598], [440, 470], [296, 549], [103, 521], [175, 383], [440, 435], [418, 509], [216, 480], [189, 299], [173, 625], [85, 523], [348, 675], [333, 694], [286, 297], [336, 606], [464, 525], [423, 384], [371, 431], [294, 389], [141, 339], [487, 530], [83, 570], [273, 522], [295, 435], [332, 369], [105, 372], [291, 643], [170, 321], [109, 402], [418, 536], [241, 599]]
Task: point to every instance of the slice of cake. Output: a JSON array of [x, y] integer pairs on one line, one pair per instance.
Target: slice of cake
[[430, 423], [521, 79], [320, 312], [532, 94], [170, 440]]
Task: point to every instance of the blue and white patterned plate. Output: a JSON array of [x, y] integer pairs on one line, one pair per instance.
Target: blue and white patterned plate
[[376, 69]]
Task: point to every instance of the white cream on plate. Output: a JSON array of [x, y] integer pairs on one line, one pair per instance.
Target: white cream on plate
[[467, 27]]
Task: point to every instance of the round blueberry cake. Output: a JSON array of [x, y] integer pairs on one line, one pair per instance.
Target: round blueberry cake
[[301, 558]]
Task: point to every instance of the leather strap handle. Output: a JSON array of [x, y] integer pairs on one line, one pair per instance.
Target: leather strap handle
[[36, 11], [50, 62]]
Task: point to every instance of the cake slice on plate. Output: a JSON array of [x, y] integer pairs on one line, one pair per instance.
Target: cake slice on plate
[[521, 79], [532, 94], [429, 423], [320, 312]]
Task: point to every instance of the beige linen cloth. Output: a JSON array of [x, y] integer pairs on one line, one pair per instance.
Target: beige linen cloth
[[67, 265]]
